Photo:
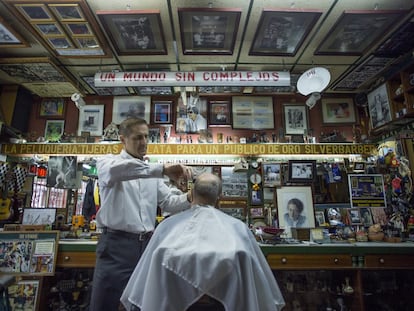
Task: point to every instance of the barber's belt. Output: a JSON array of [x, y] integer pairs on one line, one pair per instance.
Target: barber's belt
[[143, 236]]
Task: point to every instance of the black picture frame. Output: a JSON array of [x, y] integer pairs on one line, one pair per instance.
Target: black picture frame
[[356, 31], [379, 106], [162, 112], [197, 37], [301, 171], [219, 113], [282, 32], [134, 32]]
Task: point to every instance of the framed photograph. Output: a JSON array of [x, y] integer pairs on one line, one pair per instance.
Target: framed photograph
[[208, 31], [282, 32], [252, 112], [356, 31], [52, 108], [234, 207], [25, 293], [68, 12], [54, 130], [49, 29], [256, 212], [219, 113], [39, 216], [154, 135], [10, 38], [271, 175], [320, 218], [234, 183], [62, 172], [366, 216], [296, 119], [162, 112], [367, 190], [236, 212], [91, 119], [35, 12], [134, 32], [78, 29], [379, 216], [295, 208], [256, 197], [338, 111], [302, 171], [379, 106], [192, 118], [70, 29], [131, 106], [354, 216], [359, 167]]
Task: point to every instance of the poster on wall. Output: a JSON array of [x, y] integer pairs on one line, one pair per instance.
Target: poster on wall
[[61, 172], [366, 190]]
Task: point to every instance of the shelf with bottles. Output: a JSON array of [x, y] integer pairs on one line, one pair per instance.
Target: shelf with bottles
[[401, 93], [320, 289]]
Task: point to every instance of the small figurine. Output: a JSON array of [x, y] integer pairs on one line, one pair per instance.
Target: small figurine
[[111, 132]]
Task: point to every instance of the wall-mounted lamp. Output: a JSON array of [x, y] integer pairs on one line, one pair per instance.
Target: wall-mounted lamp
[[78, 100]]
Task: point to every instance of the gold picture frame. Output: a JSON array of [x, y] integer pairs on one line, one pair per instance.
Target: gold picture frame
[[9, 38], [67, 29]]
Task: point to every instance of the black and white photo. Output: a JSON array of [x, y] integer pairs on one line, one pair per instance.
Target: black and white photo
[[379, 106]]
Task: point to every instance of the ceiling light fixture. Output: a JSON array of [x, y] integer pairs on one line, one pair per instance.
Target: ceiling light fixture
[[78, 100], [313, 81]]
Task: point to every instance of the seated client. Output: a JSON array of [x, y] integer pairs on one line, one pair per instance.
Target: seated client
[[202, 252]]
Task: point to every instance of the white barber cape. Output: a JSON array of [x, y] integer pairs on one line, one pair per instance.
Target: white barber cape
[[202, 251]]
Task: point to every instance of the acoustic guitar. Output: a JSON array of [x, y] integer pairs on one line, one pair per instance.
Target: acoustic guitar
[[5, 201]]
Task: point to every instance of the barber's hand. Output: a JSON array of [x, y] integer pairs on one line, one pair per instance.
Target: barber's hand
[[179, 173]]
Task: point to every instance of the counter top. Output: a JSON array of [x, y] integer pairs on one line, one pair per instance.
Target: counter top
[[358, 248]]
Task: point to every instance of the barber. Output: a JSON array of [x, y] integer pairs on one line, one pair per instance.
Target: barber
[[130, 191]]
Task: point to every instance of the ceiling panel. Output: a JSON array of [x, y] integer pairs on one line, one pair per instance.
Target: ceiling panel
[[210, 28]]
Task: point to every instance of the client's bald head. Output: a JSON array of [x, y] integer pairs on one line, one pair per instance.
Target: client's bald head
[[206, 189]]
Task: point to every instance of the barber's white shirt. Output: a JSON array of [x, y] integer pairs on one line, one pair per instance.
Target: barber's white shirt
[[202, 251], [130, 191]]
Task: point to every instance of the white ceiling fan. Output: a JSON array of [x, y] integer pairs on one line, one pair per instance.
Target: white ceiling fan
[[313, 81]]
